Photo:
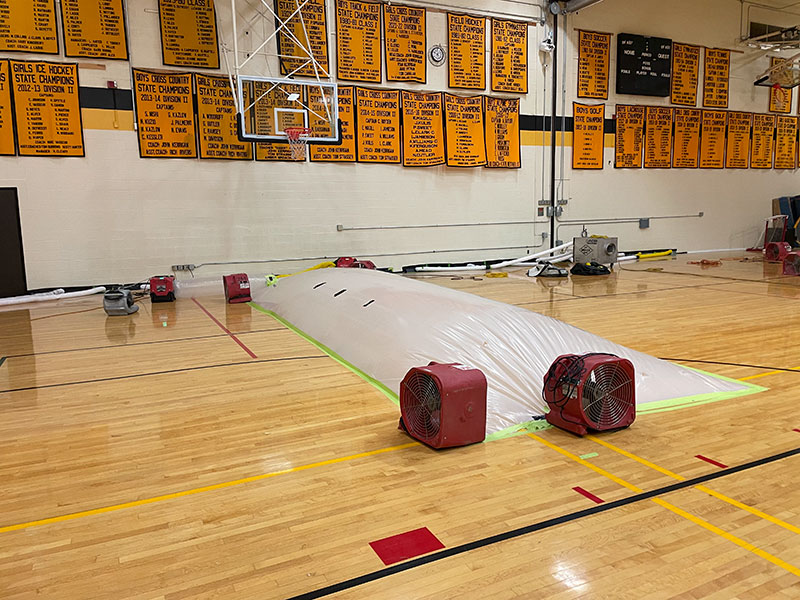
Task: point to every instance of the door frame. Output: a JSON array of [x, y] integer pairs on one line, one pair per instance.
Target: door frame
[[15, 191]]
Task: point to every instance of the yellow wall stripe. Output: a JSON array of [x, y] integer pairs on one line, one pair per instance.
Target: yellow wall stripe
[[702, 488], [113, 120], [663, 503], [208, 488]]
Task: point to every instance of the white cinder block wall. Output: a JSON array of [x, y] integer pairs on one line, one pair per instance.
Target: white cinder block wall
[[112, 216]]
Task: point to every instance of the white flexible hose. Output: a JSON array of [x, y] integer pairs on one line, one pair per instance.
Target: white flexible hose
[[47, 296], [435, 269], [529, 257]]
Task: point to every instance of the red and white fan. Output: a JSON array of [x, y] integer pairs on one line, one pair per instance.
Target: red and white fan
[[590, 392], [444, 405], [776, 251], [791, 263]]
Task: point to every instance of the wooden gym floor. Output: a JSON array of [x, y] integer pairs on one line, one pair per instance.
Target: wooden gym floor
[[159, 457]]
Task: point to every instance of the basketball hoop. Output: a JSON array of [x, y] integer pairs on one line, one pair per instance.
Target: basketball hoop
[[298, 138]]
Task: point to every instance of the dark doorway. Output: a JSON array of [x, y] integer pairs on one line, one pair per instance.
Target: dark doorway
[[12, 261]]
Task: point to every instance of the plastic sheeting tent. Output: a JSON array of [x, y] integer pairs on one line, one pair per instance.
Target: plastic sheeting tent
[[385, 324]]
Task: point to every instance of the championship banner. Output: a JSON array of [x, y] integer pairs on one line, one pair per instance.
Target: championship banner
[[94, 29], [346, 151], [464, 130], [509, 56], [267, 121], [629, 139], [716, 78], [786, 143], [216, 119], [7, 147], [358, 41], [685, 74], [658, 138], [189, 33], [164, 114], [587, 136], [737, 151], [466, 38], [28, 26], [594, 52], [686, 144], [423, 132], [404, 34], [46, 108], [276, 152], [315, 25], [502, 133], [763, 140], [712, 139], [780, 99], [378, 123]]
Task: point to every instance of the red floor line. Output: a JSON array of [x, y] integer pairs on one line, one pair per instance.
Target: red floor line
[[797, 430], [225, 329], [710, 461], [589, 495]]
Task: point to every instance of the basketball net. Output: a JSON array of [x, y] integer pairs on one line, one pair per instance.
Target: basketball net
[[298, 138]]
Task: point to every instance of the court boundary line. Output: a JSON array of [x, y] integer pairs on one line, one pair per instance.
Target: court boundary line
[[154, 373], [225, 329], [546, 524]]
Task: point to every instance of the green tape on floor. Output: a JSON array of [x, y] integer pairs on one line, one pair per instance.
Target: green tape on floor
[[590, 455]]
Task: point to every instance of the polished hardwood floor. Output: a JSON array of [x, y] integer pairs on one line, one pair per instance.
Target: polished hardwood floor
[[154, 457]]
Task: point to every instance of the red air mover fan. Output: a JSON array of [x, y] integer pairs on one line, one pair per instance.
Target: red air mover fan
[[348, 262], [444, 405], [162, 289], [237, 288], [590, 391], [791, 263], [776, 251]]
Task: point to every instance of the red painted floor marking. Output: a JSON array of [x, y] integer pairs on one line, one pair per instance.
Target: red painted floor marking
[[797, 430], [589, 495], [406, 545], [713, 462], [225, 329]]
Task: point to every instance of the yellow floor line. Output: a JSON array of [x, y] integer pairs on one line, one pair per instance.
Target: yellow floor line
[[208, 488], [702, 488], [663, 503], [768, 373]]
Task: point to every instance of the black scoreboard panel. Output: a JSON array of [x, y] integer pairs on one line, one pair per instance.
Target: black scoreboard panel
[[644, 65]]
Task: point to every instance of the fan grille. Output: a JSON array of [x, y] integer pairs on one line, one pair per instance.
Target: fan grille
[[792, 265], [607, 395], [772, 251], [422, 405]]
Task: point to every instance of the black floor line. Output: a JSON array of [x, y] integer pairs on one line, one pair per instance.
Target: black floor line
[[730, 364], [2, 360], [135, 375], [514, 533], [186, 339]]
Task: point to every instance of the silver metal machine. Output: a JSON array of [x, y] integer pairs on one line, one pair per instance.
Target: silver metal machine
[[601, 250], [118, 303]]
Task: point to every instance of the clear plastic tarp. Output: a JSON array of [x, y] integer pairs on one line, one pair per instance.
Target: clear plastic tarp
[[385, 324]]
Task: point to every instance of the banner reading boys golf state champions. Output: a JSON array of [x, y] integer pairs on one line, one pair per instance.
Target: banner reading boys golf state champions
[[423, 133], [216, 115], [28, 26], [164, 114], [712, 139], [594, 51], [587, 136], [466, 38], [189, 33], [786, 143], [346, 151], [6, 117], [94, 29], [502, 133], [509, 56], [378, 119], [404, 34], [358, 41], [314, 24], [47, 109], [464, 131], [629, 139]]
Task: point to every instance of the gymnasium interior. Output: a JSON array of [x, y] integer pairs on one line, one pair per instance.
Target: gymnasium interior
[[399, 300]]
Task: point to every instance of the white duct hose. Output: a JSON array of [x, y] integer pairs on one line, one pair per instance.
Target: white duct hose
[[529, 257], [444, 269], [58, 294], [627, 258]]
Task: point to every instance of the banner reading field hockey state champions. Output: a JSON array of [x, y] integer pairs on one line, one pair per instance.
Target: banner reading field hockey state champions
[[47, 109], [466, 38], [164, 114]]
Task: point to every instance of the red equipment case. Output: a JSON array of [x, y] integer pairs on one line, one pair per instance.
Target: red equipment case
[[237, 288]]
